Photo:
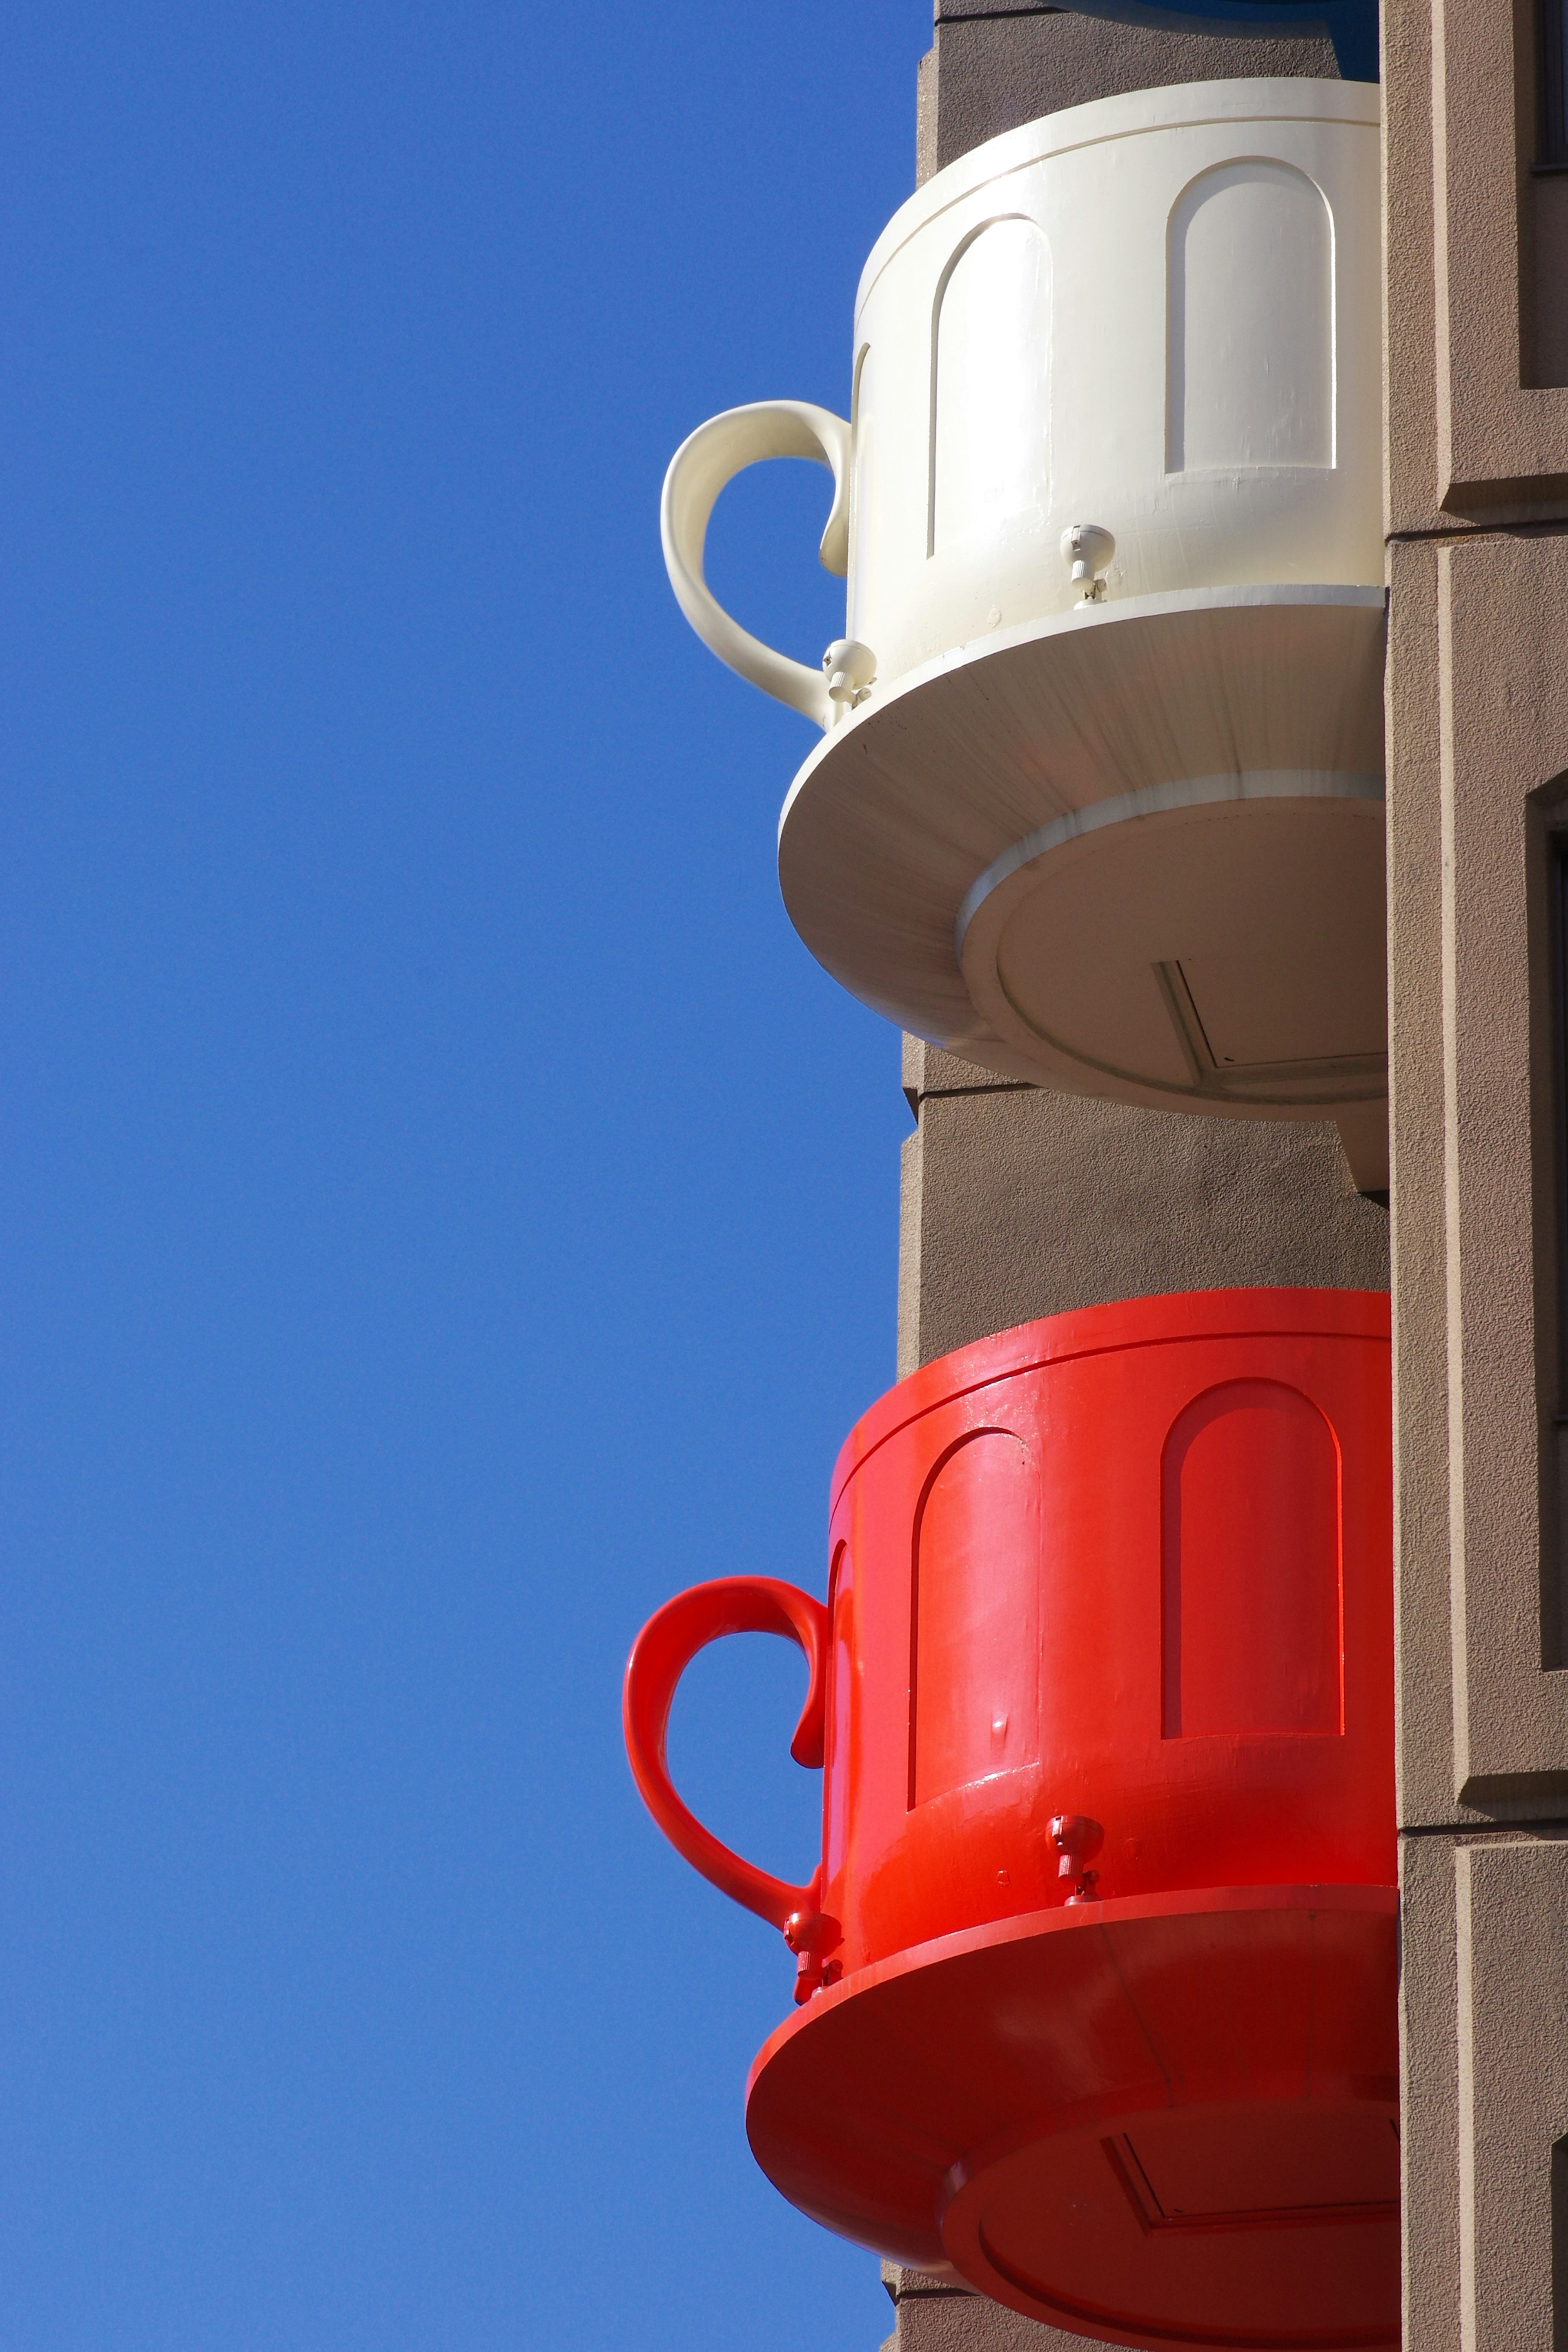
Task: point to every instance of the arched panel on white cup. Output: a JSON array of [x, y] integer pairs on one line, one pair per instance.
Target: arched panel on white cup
[[1250, 321], [865, 512], [991, 384]]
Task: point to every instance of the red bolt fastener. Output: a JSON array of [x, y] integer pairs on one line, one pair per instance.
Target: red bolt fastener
[[1076, 1839]]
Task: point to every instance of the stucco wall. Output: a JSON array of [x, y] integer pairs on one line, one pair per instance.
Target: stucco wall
[[991, 67], [1016, 1203]]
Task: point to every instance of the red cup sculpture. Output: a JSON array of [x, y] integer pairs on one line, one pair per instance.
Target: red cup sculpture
[[1096, 1980]]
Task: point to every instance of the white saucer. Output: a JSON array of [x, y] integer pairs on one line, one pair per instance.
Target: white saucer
[[1136, 850]]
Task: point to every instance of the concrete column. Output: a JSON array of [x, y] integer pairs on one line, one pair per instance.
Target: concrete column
[[1476, 305]]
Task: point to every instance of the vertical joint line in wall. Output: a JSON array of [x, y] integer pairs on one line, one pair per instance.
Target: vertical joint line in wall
[[1465, 2037], [1553, 1531], [1443, 384], [1453, 1268]]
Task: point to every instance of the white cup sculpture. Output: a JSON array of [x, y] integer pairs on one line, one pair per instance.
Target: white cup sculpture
[[1099, 798]]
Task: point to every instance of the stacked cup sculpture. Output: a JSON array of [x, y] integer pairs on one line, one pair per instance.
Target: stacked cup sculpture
[[1095, 1980]]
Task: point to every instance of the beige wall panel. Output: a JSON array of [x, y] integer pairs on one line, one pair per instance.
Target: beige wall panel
[[1424, 1683], [1511, 1970], [1429, 2095], [1501, 447], [1411, 488], [1484, 2090], [1477, 708], [1503, 734]]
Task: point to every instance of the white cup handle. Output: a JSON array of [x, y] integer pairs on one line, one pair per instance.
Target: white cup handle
[[698, 470]]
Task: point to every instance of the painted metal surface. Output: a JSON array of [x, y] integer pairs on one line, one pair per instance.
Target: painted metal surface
[[1160, 2120], [1157, 314], [1120, 834], [1104, 1692], [1134, 852]]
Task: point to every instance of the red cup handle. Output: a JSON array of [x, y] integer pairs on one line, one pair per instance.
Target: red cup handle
[[660, 1655]]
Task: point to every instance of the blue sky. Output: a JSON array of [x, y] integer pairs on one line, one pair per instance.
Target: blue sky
[[444, 1209]]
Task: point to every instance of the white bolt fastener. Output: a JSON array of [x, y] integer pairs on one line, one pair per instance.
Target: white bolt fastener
[[851, 669], [1089, 548]]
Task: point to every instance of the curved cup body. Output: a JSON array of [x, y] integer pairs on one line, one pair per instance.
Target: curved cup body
[[1129, 1566], [1110, 1615], [1158, 314]]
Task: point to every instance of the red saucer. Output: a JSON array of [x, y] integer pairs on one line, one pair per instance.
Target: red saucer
[[1166, 2120]]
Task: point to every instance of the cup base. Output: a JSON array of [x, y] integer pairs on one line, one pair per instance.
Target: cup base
[[1168, 2120]]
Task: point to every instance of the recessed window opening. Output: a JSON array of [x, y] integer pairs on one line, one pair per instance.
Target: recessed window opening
[[1552, 40]]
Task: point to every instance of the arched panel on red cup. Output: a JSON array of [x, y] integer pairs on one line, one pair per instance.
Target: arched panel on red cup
[[975, 1615], [835, 1820], [660, 1655], [1252, 1565]]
